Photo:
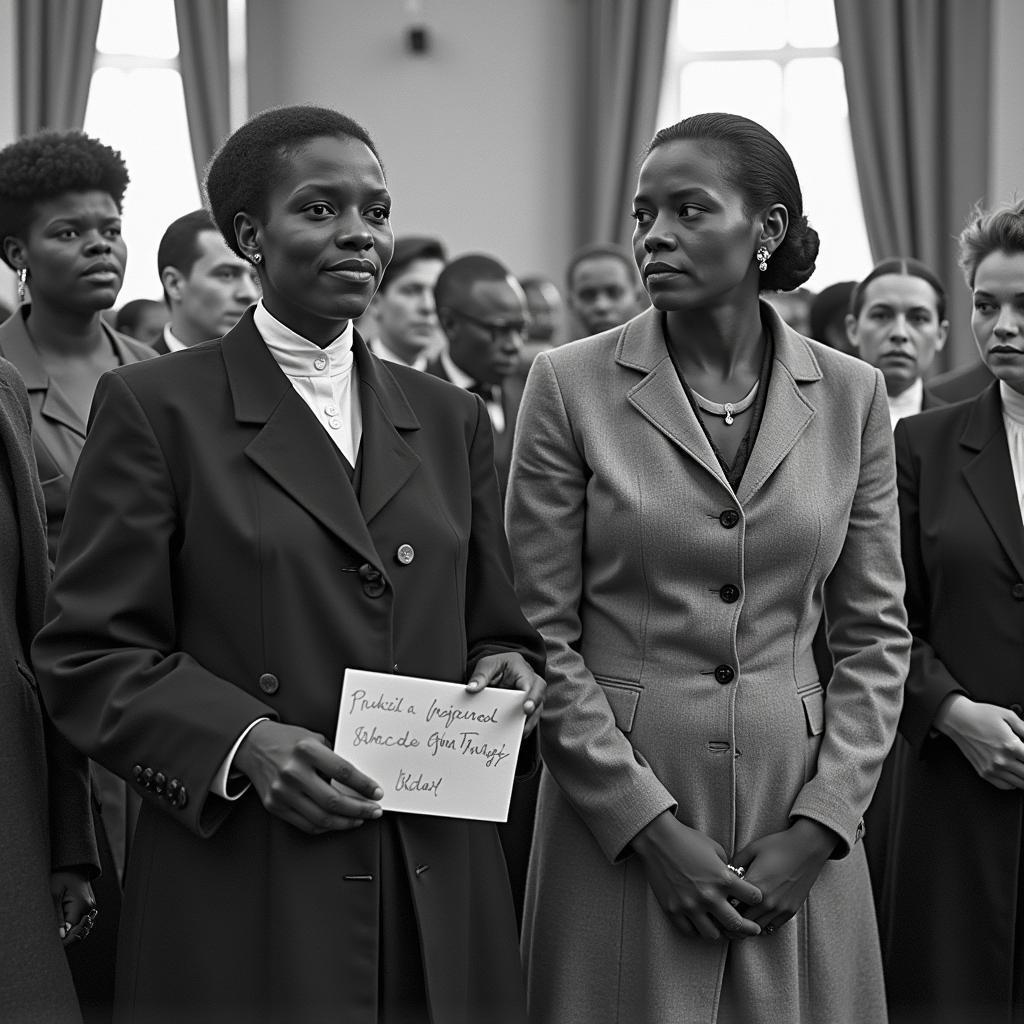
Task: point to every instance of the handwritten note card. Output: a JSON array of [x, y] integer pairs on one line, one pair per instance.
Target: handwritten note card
[[433, 747]]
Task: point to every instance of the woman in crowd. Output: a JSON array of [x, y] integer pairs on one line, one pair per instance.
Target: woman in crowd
[[60, 225], [689, 492], [953, 899], [250, 517], [47, 848]]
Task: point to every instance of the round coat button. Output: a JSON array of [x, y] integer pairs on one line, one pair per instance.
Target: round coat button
[[137, 772], [405, 554], [729, 518], [724, 674], [373, 580], [147, 778], [1018, 591], [159, 781], [181, 799], [320, 363], [172, 789], [729, 593], [269, 683]]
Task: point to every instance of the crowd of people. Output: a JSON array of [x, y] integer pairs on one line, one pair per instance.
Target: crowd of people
[[756, 570]]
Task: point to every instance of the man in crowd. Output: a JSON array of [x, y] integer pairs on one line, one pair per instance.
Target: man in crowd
[[143, 320], [206, 286], [603, 288]]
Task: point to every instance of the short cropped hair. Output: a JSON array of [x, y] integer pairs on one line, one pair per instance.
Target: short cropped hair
[[179, 246], [597, 251], [248, 165], [50, 164], [758, 166], [1000, 229], [900, 265], [459, 276], [409, 249]]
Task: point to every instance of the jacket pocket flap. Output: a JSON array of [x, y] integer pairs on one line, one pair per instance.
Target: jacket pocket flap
[[622, 698], [814, 709]]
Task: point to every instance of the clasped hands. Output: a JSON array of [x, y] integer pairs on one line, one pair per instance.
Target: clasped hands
[[705, 898], [989, 736], [301, 780]]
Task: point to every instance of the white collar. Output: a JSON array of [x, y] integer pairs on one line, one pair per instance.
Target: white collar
[[907, 403], [172, 341], [1013, 403], [298, 356]]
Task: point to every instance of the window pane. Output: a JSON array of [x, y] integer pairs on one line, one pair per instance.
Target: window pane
[[731, 24], [152, 134], [817, 135], [812, 23], [752, 88], [144, 28]]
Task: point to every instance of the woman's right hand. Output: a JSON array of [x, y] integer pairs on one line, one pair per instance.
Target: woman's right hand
[[688, 873], [990, 737], [291, 769]]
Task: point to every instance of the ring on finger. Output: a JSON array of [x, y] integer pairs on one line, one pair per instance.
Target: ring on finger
[[738, 872]]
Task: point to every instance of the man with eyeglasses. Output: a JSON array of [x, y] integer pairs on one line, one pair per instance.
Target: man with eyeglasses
[[482, 310]]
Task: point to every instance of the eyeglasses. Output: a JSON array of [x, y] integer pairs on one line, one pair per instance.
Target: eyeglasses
[[496, 328]]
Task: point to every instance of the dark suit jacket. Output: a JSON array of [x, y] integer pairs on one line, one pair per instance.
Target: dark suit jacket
[[58, 432], [216, 567], [953, 882], [511, 397], [959, 385], [45, 822]]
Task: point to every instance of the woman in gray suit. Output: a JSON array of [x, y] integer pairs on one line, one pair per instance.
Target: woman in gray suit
[[690, 493]]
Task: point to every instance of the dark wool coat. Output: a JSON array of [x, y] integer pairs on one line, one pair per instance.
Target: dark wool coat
[[210, 575], [45, 823]]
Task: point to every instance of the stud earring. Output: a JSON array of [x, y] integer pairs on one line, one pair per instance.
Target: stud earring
[[762, 256], [22, 282], [257, 258]]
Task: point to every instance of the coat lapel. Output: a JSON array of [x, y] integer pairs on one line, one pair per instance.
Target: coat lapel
[[659, 397], [787, 412], [291, 447], [990, 473]]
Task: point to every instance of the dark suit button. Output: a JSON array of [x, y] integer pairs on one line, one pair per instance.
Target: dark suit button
[[373, 580], [181, 799], [724, 674], [172, 789], [137, 772], [1018, 591], [729, 518], [147, 778], [269, 683], [405, 554], [159, 781], [729, 593]]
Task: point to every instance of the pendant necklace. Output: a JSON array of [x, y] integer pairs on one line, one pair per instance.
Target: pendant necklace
[[729, 410]]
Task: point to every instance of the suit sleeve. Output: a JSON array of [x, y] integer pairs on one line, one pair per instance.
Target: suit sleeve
[[929, 682], [869, 641], [609, 784], [106, 658]]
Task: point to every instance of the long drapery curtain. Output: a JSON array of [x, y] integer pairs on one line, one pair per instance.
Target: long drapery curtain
[[917, 80], [203, 46], [56, 54], [623, 59]]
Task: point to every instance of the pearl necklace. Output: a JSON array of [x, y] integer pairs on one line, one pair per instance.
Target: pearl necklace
[[730, 410]]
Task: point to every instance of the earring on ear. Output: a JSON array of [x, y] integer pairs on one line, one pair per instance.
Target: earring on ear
[[257, 258], [22, 282], [762, 256]]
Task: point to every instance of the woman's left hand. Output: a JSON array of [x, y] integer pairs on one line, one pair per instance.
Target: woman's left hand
[[74, 903], [511, 672], [784, 866]]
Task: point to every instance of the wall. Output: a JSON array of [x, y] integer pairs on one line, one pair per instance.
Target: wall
[[1006, 175], [476, 134], [8, 118]]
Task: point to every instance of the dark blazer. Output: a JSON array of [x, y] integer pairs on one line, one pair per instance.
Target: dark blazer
[[217, 567], [160, 346], [959, 385], [58, 432], [511, 397], [45, 822], [953, 883]]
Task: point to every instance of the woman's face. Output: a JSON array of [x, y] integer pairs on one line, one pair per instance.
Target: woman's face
[[326, 237], [693, 242], [998, 315], [74, 252]]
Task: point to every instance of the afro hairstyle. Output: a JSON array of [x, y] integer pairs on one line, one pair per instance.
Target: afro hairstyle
[[50, 164], [248, 165]]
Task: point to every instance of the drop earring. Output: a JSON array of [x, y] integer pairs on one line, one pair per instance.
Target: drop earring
[[22, 282], [762, 256]]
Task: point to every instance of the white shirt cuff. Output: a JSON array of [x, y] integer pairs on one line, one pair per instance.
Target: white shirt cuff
[[219, 786]]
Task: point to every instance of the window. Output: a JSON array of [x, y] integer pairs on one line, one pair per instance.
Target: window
[[137, 105], [777, 62]]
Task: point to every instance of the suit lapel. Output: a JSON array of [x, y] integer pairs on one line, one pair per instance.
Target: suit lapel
[[989, 474], [290, 446], [659, 397], [786, 411]]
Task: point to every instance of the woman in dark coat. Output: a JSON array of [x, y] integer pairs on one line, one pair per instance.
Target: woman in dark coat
[[953, 896], [47, 849], [249, 518]]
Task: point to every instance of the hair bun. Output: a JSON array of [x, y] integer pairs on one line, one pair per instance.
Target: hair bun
[[793, 262]]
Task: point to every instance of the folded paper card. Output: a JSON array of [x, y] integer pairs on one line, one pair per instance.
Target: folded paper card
[[433, 747]]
